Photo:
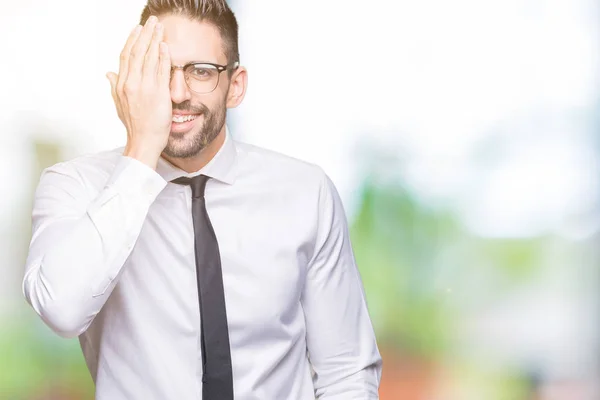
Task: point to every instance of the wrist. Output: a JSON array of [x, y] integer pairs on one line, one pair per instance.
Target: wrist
[[144, 154]]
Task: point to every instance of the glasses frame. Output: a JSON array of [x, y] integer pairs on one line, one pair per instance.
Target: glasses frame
[[220, 68]]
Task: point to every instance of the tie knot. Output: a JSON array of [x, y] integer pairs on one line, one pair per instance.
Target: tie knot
[[197, 183]]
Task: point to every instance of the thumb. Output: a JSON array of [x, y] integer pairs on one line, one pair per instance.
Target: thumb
[[112, 78]]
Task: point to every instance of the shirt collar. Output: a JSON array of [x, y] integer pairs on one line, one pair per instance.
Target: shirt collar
[[219, 168]]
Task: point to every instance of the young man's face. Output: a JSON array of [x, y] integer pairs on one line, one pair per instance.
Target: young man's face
[[198, 118]]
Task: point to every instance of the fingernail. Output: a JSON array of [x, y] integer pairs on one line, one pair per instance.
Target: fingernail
[[152, 19]]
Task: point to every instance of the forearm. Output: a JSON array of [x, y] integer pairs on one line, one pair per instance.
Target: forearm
[[346, 359], [76, 257], [361, 385]]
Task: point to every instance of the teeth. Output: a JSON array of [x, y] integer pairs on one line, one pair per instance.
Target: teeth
[[184, 118]]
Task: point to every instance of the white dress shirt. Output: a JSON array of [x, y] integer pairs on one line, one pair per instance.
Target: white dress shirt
[[111, 260]]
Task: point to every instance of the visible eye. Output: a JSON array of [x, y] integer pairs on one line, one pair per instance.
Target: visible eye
[[200, 71]]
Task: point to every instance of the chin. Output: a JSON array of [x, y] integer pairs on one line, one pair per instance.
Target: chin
[[183, 145]]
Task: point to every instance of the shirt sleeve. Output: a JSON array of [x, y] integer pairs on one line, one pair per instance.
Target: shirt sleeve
[[79, 244], [340, 337]]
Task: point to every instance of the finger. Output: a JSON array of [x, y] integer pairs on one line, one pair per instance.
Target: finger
[[140, 48], [151, 63], [164, 69], [124, 64]]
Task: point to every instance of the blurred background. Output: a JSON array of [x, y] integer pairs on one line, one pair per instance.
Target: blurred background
[[463, 136]]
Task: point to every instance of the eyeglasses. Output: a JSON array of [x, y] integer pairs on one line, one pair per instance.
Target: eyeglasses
[[203, 78]]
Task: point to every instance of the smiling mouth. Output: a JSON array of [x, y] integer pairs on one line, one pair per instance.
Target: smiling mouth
[[179, 119]]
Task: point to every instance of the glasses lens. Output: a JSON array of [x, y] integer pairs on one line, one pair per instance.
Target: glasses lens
[[202, 78]]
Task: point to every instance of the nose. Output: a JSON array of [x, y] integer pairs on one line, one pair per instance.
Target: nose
[[179, 89]]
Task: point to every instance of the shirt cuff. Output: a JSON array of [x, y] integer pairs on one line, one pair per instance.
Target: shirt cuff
[[133, 177], [120, 209]]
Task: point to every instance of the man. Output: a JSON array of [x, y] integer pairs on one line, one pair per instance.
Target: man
[[192, 266]]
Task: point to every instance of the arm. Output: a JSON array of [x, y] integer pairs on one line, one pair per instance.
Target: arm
[[79, 245], [340, 338]]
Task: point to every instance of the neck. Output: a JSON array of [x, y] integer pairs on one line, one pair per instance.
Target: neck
[[200, 160]]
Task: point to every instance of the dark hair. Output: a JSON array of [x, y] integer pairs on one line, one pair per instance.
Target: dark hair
[[216, 12]]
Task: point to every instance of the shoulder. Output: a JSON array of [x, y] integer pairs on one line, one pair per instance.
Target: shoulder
[[278, 168]]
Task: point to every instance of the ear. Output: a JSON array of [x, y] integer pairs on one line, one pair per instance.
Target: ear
[[237, 87]]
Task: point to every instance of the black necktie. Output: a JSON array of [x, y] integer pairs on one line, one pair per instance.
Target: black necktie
[[217, 379]]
